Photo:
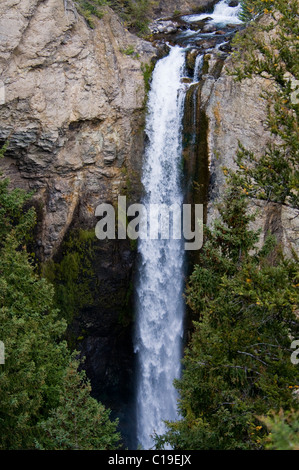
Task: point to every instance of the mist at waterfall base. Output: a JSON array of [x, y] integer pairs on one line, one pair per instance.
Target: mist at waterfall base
[[160, 278]]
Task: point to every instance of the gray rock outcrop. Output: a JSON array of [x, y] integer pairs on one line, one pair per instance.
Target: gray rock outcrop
[[236, 112], [73, 111]]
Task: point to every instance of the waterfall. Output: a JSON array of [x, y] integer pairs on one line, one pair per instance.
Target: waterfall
[[160, 276], [160, 306]]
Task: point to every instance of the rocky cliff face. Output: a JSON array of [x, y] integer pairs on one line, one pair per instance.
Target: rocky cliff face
[[74, 109], [236, 113]]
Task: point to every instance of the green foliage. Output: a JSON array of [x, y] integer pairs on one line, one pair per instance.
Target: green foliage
[[135, 13], [12, 214], [73, 274], [139, 15], [34, 361], [270, 45], [272, 176], [253, 8], [147, 70], [237, 366], [284, 430], [29, 328], [33, 379], [91, 8], [79, 422], [3, 149], [270, 48], [130, 51]]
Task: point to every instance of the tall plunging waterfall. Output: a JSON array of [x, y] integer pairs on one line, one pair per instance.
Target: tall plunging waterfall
[[160, 307], [159, 288]]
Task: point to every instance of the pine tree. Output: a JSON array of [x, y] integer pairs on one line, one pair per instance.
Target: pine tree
[[34, 358], [79, 422], [34, 378], [284, 430], [237, 366], [252, 8]]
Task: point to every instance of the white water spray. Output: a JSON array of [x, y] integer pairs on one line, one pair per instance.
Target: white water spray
[[223, 14], [198, 67], [159, 301], [160, 306]]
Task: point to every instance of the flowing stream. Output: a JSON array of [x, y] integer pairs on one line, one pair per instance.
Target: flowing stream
[[159, 300], [222, 14]]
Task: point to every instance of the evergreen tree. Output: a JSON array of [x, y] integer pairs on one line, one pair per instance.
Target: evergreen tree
[[237, 366], [284, 430], [252, 8], [79, 422], [30, 329], [34, 379]]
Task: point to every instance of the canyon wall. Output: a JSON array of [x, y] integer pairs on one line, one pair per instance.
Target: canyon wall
[[73, 112], [236, 112]]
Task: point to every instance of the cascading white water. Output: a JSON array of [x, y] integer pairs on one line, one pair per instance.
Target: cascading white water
[[159, 288], [160, 306], [198, 67], [222, 14]]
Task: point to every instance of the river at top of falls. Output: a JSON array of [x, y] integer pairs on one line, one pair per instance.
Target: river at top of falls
[[224, 18], [223, 14]]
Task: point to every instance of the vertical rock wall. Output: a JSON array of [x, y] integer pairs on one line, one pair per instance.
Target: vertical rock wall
[[236, 112], [74, 109]]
